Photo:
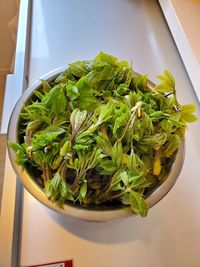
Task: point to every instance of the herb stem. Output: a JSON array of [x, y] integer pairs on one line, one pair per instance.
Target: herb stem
[[134, 109]]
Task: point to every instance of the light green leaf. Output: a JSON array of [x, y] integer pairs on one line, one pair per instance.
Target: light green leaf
[[138, 204], [186, 112], [126, 199], [155, 140], [83, 190], [189, 108], [20, 154], [108, 167], [39, 158], [78, 68], [139, 182], [189, 117], [86, 99], [65, 148], [77, 118], [104, 143], [171, 145], [121, 89], [106, 58], [117, 187], [55, 100], [58, 159], [121, 117], [106, 113], [84, 143], [46, 136], [39, 95], [72, 90], [140, 82], [124, 178], [167, 83], [117, 153], [45, 86], [56, 190], [95, 158]]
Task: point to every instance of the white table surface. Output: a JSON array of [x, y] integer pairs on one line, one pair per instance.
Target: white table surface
[[188, 13], [183, 18], [63, 31]]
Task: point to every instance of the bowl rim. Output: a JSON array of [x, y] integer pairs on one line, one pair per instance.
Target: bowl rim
[[75, 211]]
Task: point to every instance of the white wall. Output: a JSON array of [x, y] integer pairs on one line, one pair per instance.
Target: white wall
[[8, 10]]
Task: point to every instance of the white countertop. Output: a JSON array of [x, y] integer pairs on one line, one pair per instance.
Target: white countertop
[[134, 31], [183, 18], [188, 13]]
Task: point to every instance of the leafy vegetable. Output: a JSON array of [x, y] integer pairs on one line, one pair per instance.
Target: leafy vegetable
[[138, 203], [20, 153], [167, 84], [99, 133]]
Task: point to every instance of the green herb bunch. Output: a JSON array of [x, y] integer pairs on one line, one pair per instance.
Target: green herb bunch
[[99, 134]]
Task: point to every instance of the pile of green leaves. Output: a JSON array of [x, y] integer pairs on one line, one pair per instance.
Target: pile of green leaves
[[100, 134]]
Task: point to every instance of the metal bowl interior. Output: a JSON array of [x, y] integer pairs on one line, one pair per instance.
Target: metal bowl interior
[[98, 214]]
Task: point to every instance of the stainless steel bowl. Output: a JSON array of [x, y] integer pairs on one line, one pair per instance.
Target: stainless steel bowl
[[94, 213]]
